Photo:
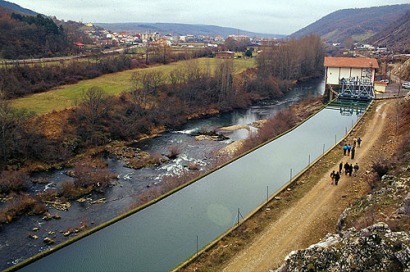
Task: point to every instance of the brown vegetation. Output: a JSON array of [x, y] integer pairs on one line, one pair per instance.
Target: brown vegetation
[[152, 105], [13, 181], [18, 205]]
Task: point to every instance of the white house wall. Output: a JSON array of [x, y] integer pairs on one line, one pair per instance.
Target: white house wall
[[335, 74], [346, 73], [332, 75]]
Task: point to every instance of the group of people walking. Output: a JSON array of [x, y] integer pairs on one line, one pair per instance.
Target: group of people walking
[[349, 168], [350, 150]]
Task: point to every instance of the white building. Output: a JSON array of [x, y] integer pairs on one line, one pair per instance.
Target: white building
[[338, 68]]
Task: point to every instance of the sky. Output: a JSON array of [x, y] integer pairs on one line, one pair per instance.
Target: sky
[[261, 16]]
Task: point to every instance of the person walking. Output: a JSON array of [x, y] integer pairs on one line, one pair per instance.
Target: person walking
[[337, 178], [344, 149], [346, 167], [340, 167], [355, 169], [348, 149], [332, 176], [352, 152], [359, 141]]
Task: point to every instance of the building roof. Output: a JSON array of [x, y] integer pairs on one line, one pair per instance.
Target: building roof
[[351, 62]]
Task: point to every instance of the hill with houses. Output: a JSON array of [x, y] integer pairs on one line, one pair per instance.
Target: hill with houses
[[183, 29]]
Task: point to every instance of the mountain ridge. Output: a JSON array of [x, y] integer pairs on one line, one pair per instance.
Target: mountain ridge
[[182, 29]]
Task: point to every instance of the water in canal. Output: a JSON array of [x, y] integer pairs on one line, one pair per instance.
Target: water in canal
[[15, 245], [161, 236]]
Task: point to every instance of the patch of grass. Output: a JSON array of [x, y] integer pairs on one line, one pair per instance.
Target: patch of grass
[[113, 84]]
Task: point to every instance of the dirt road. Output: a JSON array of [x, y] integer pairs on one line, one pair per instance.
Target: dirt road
[[316, 214]]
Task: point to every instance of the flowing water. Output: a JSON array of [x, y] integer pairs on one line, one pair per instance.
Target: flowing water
[[168, 232], [15, 246]]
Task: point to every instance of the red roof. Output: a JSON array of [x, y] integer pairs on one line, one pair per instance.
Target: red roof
[[351, 62], [380, 83]]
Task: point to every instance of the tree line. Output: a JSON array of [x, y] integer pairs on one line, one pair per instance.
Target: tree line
[[156, 101], [17, 80], [32, 36], [292, 59]]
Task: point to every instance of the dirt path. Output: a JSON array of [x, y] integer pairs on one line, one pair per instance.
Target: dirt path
[[316, 214]]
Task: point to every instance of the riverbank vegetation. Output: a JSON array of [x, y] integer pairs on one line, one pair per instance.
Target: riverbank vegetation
[[19, 79], [67, 96], [79, 136], [283, 121]]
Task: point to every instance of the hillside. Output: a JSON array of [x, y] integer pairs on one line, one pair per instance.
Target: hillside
[[358, 24], [26, 36], [182, 29], [397, 34]]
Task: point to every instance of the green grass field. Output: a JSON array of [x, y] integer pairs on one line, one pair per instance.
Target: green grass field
[[113, 84]]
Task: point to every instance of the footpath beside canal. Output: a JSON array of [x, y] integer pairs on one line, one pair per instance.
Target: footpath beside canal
[[308, 210]]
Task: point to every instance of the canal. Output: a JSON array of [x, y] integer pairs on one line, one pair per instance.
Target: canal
[[165, 234]]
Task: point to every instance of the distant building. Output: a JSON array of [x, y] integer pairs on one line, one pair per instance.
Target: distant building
[[225, 55]]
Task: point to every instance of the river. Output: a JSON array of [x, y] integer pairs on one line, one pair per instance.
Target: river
[[16, 246]]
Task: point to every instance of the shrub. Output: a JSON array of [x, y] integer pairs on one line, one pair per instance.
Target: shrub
[[193, 166], [19, 205], [13, 181], [70, 191], [381, 167], [372, 180], [95, 177], [173, 152], [48, 195]]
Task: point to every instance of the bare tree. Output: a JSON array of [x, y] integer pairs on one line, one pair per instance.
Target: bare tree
[[176, 77], [6, 121], [137, 92], [224, 77], [145, 84], [94, 105], [10, 125], [291, 59]]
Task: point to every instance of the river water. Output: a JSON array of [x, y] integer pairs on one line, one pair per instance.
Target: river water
[[168, 232], [164, 253]]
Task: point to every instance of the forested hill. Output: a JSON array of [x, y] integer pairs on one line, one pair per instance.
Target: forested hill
[[357, 24], [30, 36], [182, 29], [396, 35]]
